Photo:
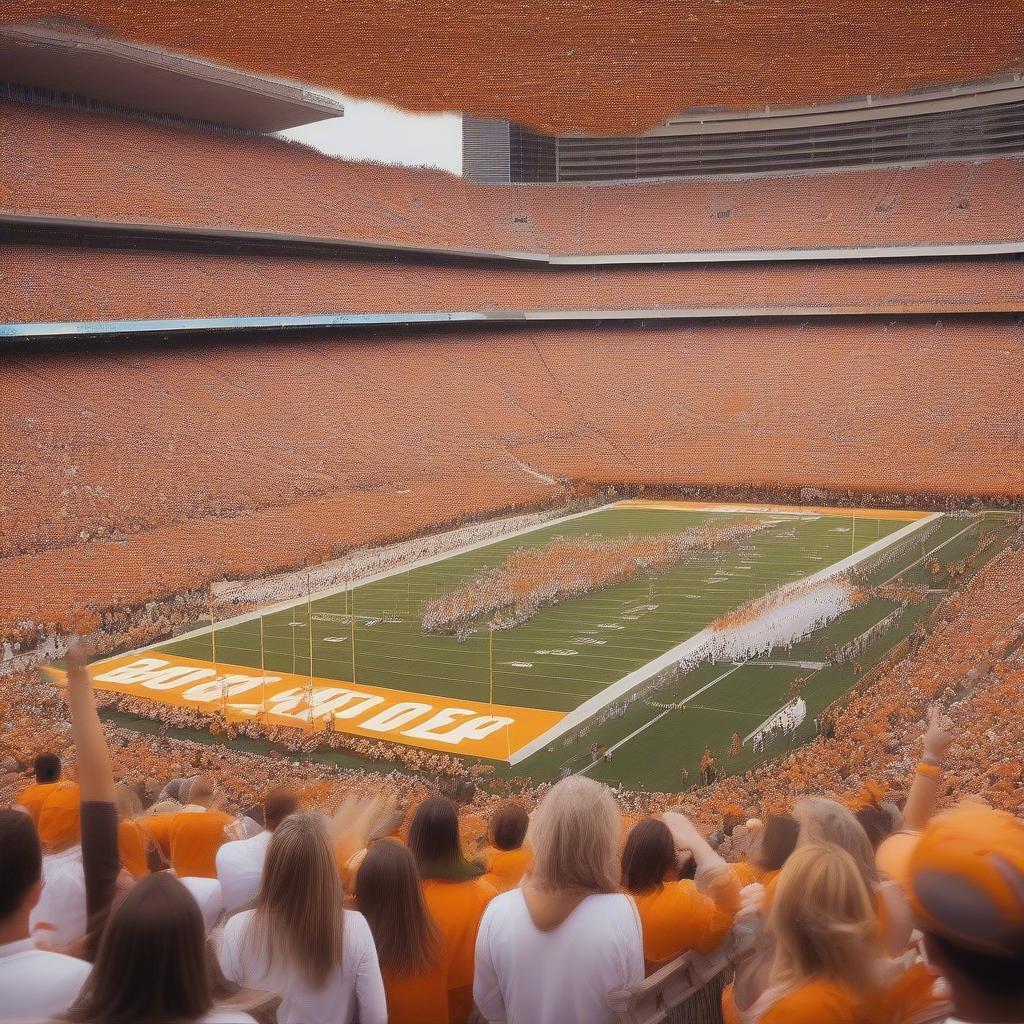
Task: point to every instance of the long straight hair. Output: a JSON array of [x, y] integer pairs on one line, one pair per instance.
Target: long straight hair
[[151, 964], [434, 842], [576, 835], [825, 821], [299, 913], [823, 919], [649, 854], [390, 897]]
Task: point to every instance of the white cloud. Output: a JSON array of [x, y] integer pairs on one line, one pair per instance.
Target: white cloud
[[376, 131]]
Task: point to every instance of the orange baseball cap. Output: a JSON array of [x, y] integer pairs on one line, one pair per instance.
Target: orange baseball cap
[[59, 819], [967, 879]]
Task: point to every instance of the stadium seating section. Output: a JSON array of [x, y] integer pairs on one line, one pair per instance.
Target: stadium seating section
[[156, 179], [117, 491]]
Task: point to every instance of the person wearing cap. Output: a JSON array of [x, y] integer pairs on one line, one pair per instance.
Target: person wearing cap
[[966, 880], [47, 774]]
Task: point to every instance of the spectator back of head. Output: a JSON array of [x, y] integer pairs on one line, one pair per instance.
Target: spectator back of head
[[21, 861], [278, 804], [649, 854], [151, 964], [967, 891], [576, 837], [508, 826], [47, 768]]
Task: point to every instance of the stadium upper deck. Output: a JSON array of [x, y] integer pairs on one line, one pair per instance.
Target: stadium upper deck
[[584, 68], [92, 167]]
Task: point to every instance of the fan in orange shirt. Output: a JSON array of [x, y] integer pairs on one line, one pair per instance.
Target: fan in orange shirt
[[456, 895], [47, 773], [825, 933], [410, 946], [775, 843], [132, 841], [675, 916], [508, 859], [190, 838]]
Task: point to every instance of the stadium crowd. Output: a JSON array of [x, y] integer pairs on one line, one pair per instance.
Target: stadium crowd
[[873, 875]]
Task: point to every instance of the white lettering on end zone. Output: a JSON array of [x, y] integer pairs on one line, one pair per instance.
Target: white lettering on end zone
[[416, 720]]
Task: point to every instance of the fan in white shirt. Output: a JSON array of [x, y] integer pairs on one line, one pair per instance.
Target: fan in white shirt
[[34, 984], [240, 863], [558, 950], [152, 963], [299, 942], [59, 918]]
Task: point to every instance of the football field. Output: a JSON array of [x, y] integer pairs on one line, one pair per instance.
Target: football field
[[358, 659]]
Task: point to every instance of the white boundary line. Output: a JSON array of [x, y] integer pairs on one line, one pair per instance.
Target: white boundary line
[[361, 581], [659, 717], [614, 690], [692, 646]]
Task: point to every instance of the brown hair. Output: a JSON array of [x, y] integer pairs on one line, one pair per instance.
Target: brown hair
[[47, 768], [299, 917], [648, 854], [151, 964], [390, 897], [434, 841], [277, 805], [777, 842], [508, 826], [21, 859]]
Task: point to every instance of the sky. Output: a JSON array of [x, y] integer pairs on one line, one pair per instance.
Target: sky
[[376, 131]]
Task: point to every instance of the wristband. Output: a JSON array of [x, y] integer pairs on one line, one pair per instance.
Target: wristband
[[924, 768]]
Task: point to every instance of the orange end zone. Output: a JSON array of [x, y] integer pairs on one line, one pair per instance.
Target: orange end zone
[[472, 728], [898, 514]]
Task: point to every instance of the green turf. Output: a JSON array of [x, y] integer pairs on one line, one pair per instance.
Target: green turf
[[394, 652]]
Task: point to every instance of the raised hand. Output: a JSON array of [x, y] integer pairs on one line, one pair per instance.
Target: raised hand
[[939, 735]]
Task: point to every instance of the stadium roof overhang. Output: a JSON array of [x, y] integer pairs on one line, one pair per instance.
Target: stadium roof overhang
[[117, 73], [604, 67]]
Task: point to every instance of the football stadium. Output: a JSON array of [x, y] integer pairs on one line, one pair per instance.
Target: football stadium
[[511, 515]]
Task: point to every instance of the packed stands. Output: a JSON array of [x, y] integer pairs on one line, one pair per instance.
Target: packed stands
[[340, 443], [60, 283], [965, 665], [302, 193], [590, 69]]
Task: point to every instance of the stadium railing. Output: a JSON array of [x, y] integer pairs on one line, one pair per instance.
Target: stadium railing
[[687, 990]]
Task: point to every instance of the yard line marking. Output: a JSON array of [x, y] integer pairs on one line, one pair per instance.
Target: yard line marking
[[658, 718]]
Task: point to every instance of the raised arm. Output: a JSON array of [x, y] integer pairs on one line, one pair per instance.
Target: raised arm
[[95, 776], [100, 858], [714, 875], [924, 790]]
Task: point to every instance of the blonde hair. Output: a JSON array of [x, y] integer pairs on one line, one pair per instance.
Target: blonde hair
[[575, 837], [299, 918], [823, 919], [825, 821]]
